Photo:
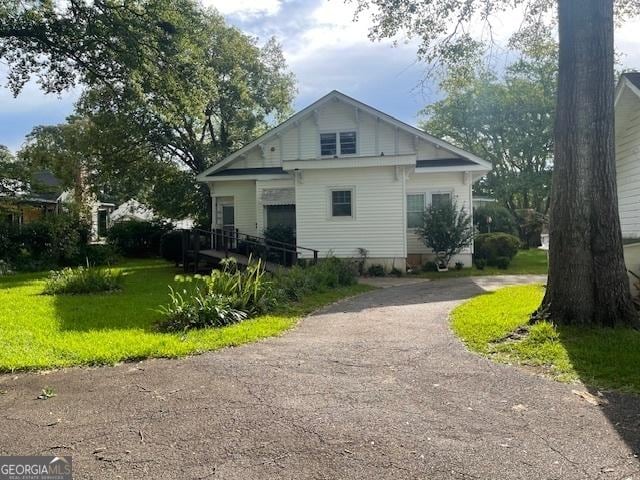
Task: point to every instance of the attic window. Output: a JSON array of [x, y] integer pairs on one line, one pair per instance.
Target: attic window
[[330, 146]]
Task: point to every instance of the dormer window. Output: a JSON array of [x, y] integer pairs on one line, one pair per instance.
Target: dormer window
[[338, 143]]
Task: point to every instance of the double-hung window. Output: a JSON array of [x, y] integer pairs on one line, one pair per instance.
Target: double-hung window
[[341, 203], [328, 144], [440, 199], [342, 143], [415, 210]]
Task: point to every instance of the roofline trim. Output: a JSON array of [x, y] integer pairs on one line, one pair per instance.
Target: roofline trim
[[357, 104]]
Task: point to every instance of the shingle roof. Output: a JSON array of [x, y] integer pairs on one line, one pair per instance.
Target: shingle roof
[[248, 171], [633, 77], [444, 162]]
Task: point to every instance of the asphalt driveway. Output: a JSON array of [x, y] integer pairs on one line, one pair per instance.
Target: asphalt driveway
[[375, 387]]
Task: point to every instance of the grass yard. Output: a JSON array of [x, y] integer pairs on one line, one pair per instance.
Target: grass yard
[[604, 358], [532, 261], [38, 331]]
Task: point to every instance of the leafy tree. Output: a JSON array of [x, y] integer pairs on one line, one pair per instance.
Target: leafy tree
[[587, 278], [446, 229], [159, 107], [197, 107], [65, 150], [81, 41], [507, 119]]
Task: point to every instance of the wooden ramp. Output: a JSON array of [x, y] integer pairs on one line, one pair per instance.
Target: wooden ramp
[[241, 259]]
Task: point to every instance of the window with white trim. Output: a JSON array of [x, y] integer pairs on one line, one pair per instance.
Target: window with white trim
[[348, 143], [341, 203], [338, 143], [415, 210], [440, 199], [328, 144]]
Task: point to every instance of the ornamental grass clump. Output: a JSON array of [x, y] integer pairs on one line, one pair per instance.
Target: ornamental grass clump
[[227, 296], [82, 280]]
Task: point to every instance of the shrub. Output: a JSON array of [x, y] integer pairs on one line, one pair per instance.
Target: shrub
[[101, 255], [280, 233], [5, 268], [195, 308], [502, 262], [249, 290], [136, 238], [459, 265], [226, 296], [376, 270], [296, 282], [447, 230], [430, 267], [502, 220], [277, 235], [491, 246], [82, 280], [171, 246], [480, 263], [396, 272], [58, 240]]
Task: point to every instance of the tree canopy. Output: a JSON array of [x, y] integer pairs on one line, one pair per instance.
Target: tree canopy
[[507, 118], [169, 90]]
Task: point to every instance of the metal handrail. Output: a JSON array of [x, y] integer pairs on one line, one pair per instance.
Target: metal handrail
[[231, 240]]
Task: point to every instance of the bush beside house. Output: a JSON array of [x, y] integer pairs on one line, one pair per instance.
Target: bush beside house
[[502, 220], [496, 249], [138, 238]]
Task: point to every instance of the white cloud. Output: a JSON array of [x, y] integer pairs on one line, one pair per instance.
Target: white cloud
[[245, 8]]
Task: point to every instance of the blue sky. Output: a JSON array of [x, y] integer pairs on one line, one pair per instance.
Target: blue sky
[[324, 48]]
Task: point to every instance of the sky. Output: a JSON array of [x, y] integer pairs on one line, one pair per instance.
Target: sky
[[324, 48]]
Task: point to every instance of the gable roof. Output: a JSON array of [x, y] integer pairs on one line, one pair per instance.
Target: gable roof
[[335, 94], [633, 77], [628, 81]]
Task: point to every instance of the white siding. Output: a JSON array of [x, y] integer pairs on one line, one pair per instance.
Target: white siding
[[244, 202], [378, 204], [434, 183], [628, 175], [301, 140]]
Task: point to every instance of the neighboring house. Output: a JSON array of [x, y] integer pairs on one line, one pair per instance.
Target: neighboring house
[[134, 210], [346, 176], [628, 153], [627, 111], [479, 202], [46, 197]]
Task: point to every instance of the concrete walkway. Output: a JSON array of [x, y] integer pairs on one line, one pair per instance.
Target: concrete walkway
[[375, 387]]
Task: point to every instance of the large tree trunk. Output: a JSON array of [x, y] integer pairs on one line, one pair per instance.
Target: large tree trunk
[[587, 283]]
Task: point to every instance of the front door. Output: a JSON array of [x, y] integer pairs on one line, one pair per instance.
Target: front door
[[228, 217]]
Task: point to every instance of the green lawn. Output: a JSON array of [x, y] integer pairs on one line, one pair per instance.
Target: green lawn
[[532, 261], [38, 331], [604, 358]]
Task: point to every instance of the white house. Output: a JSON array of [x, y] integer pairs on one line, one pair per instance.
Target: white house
[[628, 153], [627, 105], [134, 210], [347, 176]]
